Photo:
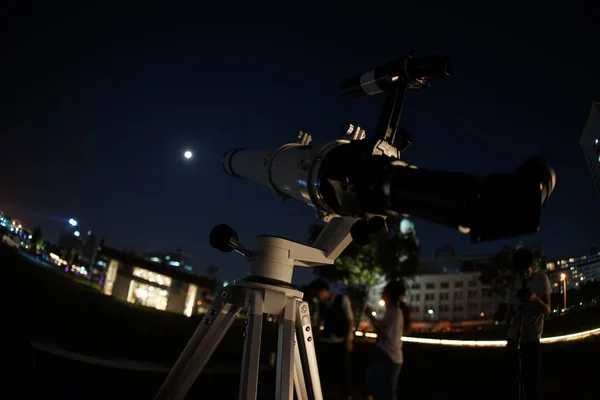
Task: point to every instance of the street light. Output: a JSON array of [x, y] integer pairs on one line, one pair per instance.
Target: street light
[[563, 278], [73, 222]]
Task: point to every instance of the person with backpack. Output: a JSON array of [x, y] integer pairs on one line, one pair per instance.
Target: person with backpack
[[336, 344]]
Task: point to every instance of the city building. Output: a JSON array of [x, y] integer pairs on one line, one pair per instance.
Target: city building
[[590, 144], [177, 259], [14, 231], [153, 284], [447, 294], [446, 262], [448, 301], [575, 270]]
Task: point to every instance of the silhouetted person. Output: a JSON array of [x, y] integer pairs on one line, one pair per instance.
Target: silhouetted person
[[387, 360], [527, 304], [335, 313]]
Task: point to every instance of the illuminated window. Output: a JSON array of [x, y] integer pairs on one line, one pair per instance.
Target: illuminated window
[[153, 277], [147, 295], [190, 300], [111, 275]]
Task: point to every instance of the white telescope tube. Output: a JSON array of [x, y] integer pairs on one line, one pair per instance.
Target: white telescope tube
[[291, 171]]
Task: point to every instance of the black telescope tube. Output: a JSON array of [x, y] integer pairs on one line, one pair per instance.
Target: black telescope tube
[[491, 207], [440, 197]]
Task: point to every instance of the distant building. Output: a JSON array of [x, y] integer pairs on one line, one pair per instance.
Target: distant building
[[590, 145], [448, 291], [577, 270], [153, 284], [446, 262], [175, 259]]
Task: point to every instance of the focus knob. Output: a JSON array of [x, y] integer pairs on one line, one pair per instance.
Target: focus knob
[[224, 238]]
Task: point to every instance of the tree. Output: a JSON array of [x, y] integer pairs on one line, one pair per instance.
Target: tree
[[37, 239], [212, 271], [498, 274], [361, 268], [399, 255]]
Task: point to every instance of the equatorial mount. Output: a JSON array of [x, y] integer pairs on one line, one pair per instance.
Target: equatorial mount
[[266, 290]]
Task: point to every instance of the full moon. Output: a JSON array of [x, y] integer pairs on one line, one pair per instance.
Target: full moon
[[188, 154]]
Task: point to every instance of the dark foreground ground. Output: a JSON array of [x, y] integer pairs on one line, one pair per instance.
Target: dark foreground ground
[[571, 371], [45, 306]]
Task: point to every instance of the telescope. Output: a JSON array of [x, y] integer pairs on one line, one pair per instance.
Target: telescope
[[353, 184], [363, 177]]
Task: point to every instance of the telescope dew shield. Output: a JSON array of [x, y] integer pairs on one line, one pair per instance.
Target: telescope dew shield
[[291, 171]]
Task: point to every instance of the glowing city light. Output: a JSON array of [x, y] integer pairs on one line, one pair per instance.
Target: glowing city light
[[188, 154], [73, 222], [487, 343], [382, 302], [76, 233]]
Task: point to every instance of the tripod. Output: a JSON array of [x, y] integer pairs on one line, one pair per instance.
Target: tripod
[[267, 290]]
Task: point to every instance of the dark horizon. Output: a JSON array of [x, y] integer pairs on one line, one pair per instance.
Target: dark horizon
[[100, 105]]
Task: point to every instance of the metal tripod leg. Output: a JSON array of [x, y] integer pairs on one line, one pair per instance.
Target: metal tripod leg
[[251, 357], [198, 350], [285, 351], [306, 379]]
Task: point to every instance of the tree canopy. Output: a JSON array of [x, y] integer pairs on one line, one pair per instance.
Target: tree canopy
[[362, 267], [37, 239], [498, 273], [394, 257]]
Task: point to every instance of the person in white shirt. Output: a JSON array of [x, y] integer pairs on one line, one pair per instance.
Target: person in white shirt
[[384, 369], [527, 303]]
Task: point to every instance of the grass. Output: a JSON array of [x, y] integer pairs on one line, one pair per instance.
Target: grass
[[59, 309], [79, 318]]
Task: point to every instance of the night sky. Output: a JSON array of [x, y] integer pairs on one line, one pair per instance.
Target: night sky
[[98, 106]]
